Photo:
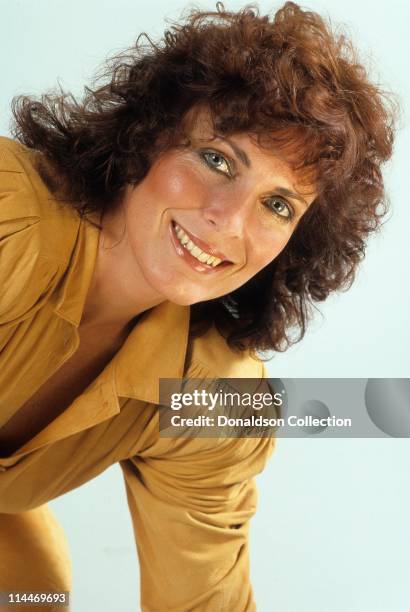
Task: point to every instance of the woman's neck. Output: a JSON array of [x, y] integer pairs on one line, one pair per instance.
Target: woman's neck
[[118, 291]]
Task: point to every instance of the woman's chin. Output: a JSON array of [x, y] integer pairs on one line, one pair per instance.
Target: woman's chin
[[186, 296], [183, 299], [180, 290]]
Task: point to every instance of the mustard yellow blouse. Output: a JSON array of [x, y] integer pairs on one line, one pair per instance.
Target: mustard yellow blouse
[[190, 499]]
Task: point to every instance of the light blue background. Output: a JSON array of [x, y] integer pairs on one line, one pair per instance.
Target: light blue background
[[332, 529]]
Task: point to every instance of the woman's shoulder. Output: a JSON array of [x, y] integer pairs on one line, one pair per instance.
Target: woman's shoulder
[[23, 192], [36, 232], [210, 356]]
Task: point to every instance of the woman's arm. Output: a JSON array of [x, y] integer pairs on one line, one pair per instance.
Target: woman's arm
[[191, 501]]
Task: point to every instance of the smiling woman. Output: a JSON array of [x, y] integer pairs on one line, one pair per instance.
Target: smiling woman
[[176, 222], [289, 89], [198, 202]]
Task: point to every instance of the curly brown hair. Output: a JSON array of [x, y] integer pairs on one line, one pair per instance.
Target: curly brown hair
[[291, 82]]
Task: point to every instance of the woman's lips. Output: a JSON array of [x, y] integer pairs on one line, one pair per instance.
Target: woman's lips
[[194, 263], [203, 245]]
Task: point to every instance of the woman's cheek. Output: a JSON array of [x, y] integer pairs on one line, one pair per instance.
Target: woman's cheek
[[268, 249], [178, 183]]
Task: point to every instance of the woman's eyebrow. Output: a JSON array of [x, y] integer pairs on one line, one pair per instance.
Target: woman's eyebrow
[[287, 193], [240, 153]]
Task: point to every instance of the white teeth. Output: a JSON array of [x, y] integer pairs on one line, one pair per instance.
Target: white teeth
[[202, 256]]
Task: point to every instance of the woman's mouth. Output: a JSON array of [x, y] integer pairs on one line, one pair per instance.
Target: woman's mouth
[[187, 247]]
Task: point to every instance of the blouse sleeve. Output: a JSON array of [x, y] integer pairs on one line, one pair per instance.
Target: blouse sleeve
[[191, 501], [26, 273]]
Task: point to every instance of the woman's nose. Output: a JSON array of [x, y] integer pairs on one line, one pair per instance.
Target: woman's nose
[[228, 216]]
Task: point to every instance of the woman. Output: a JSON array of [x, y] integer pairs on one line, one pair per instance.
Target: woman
[[177, 222]]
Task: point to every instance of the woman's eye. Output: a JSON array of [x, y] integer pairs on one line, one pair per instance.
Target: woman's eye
[[217, 162], [280, 207]]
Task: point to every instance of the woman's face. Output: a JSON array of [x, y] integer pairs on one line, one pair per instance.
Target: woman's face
[[207, 218]]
